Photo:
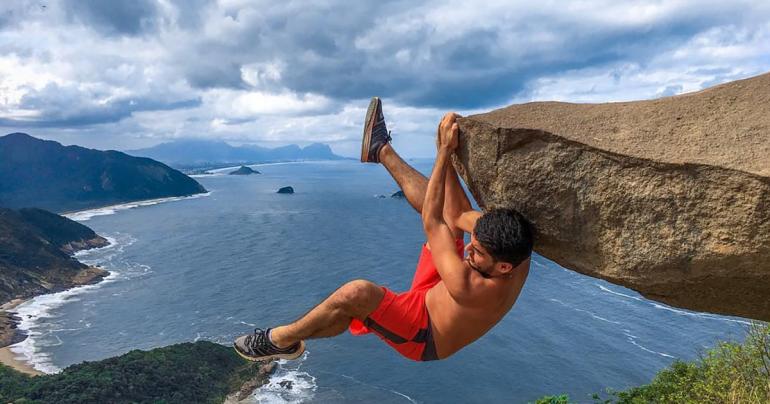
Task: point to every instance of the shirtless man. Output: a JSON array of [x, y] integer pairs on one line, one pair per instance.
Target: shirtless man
[[452, 301]]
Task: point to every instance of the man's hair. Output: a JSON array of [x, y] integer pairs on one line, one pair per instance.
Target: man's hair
[[505, 234]]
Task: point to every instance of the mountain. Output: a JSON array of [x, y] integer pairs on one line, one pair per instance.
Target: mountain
[[35, 253], [45, 174], [197, 153]]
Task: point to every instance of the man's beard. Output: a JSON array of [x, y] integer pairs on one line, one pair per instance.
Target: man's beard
[[474, 266]]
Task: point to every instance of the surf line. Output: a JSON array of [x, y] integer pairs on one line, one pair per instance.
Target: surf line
[[84, 215], [34, 311]]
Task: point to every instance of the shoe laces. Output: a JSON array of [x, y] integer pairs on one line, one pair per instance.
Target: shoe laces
[[380, 129], [257, 340]]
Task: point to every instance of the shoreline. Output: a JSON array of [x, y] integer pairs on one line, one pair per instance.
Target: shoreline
[[10, 335], [8, 357], [87, 214]]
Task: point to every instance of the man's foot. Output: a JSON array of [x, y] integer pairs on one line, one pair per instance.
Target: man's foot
[[257, 347], [376, 133]]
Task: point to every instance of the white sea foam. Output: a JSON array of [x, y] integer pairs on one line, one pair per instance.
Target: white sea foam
[[35, 313], [632, 339], [677, 311], [410, 399], [84, 215], [226, 169], [288, 384], [32, 313], [598, 317]]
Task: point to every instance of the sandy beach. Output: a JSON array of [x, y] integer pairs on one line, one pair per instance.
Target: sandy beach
[[7, 357]]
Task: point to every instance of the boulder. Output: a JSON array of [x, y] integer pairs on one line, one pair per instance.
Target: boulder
[[285, 190], [669, 197]]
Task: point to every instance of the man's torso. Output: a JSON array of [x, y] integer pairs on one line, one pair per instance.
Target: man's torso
[[455, 326]]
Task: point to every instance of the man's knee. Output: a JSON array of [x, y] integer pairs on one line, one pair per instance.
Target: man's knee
[[359, 296]]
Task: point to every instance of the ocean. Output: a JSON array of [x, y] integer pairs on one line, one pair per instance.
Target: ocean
[[215, 266]]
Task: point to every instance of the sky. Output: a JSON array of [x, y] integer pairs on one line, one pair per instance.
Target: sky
[[130, 74]]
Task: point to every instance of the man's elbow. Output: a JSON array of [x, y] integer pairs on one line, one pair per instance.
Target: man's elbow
[[430, 224]]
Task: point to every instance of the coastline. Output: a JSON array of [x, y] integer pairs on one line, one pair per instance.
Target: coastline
[[10, 335], [7, 334], [9, 321], [86, 214]]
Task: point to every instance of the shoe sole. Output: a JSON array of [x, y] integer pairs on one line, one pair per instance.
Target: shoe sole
[[290, 356], [367, 138]]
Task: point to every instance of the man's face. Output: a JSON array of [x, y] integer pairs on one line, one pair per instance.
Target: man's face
[[478, 258]]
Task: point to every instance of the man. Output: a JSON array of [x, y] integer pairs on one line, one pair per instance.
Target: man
[[452, 301]]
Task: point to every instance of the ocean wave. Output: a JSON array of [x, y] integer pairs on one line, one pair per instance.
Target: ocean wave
[[33, 314], [36, 313], [680, 312], [84, 215], [288, 384], [632, 339], [595, 316]]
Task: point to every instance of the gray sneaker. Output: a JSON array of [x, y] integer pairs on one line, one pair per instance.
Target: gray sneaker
[[376, 133], [257, 347]]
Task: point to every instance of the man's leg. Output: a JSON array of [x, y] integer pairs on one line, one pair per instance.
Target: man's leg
[[414, 184], [356, 299], [411, 181]]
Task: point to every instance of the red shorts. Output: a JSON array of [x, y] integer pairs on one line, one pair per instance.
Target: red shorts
[[402, 320]]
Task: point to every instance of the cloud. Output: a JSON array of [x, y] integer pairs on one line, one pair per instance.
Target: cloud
[[137, 72], [122, 17]]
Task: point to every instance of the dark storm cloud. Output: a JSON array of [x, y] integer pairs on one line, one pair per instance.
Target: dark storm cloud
[[67, 107], [317, 45], [265, 70], [114, 17]]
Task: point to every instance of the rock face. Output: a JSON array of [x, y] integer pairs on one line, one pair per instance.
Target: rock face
[[669, 197]]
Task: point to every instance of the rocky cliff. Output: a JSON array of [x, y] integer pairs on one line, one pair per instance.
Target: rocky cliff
[[35, 253], [669, 197]]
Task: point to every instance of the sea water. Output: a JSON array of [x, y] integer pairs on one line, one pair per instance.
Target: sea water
[[218, 265]]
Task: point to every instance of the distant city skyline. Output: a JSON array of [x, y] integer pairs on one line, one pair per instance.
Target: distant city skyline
[[132, 74]]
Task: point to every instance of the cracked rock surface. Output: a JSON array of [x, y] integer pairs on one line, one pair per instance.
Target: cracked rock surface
[[669, 197]]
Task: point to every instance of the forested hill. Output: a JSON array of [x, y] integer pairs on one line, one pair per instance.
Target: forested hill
[[45, 174], [35, 253], [201, 372]]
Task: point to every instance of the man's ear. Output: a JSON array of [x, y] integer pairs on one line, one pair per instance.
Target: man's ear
[[504, 268]]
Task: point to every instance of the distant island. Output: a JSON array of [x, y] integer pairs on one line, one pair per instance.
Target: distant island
[[243, 170], [45, 174], [196, 154]]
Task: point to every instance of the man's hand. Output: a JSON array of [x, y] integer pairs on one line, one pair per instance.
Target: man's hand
[[448, 131]]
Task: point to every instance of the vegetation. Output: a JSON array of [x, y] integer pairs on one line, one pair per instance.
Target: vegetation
[[728, 373], [201, 372], [33, 256]]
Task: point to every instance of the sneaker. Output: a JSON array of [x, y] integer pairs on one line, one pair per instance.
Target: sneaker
[[376, 134], [257, 347]]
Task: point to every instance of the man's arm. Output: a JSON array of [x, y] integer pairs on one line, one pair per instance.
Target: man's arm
[[458, 212], [457, 208], [456, 276]]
